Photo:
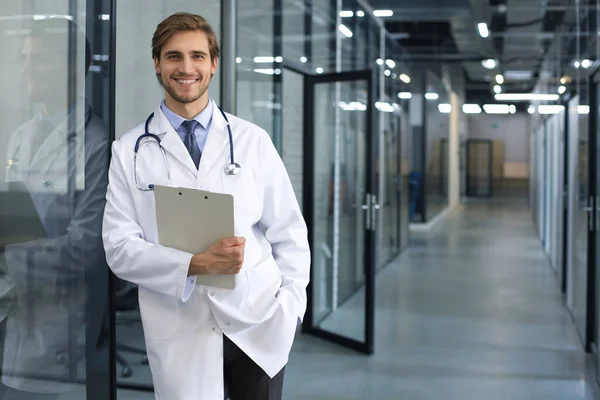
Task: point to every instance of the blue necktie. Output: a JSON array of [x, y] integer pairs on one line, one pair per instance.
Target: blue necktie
[[190, 141]]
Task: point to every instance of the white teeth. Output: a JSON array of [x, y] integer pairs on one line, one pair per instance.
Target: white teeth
[[186, 81]]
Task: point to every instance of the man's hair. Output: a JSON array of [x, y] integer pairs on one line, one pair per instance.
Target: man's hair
[[183, 22], [57, 31]]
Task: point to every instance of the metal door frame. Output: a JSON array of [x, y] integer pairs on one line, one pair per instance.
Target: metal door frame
[[309, 326]]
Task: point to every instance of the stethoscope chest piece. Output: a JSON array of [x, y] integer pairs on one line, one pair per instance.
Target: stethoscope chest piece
[[233, 169]]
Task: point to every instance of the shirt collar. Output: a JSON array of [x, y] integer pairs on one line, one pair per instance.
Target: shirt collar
[[176, 120]]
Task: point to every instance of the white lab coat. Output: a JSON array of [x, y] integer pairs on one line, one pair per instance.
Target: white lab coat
[[184, 335]]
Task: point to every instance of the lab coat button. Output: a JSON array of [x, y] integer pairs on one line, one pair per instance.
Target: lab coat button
[[227, 323]]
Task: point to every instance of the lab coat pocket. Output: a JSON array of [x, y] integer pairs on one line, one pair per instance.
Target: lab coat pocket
[[264, 281], [160, 315]]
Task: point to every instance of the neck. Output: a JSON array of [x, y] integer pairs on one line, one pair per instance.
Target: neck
[[186, 110]]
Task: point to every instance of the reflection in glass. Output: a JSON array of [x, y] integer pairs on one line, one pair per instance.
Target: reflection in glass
[[53, 277], [339, 300]]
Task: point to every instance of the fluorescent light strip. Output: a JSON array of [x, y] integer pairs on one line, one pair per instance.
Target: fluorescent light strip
[[345, 31], [496, 108], [405, 95], [405, 78], [267, 59], [471, 109], [526, 97], [385, 107], [432, 96], [390, 63], [550, 109], [346, 14], [383, 13], [584, 110], [445, 108]]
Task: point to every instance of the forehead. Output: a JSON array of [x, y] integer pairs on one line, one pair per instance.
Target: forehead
[[187, 41]]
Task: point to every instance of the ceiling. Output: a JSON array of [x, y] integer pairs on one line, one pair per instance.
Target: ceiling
[[520, 33]]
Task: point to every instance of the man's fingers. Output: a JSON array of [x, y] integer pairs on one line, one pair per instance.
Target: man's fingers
[[234, 241]]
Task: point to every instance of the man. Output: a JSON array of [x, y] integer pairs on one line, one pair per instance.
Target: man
[[58, 281], [205, 342]]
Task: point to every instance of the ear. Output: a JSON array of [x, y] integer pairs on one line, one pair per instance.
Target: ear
[[157, 65], [215, 63]]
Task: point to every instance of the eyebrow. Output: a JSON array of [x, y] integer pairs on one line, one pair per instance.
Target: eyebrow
[[194, 52]]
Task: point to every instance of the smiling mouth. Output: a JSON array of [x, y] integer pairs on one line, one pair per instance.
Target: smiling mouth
[[186, 81]]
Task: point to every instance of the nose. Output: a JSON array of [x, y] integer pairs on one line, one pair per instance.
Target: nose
[[187, 66]]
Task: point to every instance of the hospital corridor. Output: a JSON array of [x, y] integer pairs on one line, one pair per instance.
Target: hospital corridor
[[300, 200]]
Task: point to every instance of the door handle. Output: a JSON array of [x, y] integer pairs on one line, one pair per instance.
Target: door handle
[[376, 207], [367, 209]]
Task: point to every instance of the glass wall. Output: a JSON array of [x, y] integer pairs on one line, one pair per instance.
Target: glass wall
[[138, 94], [437, 127], [55, 146]]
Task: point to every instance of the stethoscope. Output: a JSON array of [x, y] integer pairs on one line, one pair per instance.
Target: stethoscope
[[232, 169]]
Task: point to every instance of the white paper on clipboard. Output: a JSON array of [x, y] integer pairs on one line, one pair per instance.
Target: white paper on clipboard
[[192, 220]]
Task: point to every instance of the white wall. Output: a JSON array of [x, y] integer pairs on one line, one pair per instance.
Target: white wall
[[514, 129]]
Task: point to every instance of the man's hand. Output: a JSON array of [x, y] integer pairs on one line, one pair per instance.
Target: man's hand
[[223, 258]]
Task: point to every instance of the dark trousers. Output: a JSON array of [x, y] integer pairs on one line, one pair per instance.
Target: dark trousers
[[244, 380]]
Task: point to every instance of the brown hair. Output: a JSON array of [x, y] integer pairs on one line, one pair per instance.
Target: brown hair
[[183, 22]]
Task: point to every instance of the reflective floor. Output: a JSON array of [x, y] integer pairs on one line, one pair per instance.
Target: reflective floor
[[471, 311]]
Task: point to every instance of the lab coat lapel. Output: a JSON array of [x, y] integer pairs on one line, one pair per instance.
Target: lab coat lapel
[[171, 141], [214, 157]]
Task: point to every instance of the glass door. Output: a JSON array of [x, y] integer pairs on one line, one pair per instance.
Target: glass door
[[340, 207]]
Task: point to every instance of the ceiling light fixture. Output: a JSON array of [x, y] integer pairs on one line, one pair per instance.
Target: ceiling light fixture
[[405, 95], [499, 79], [497, 88], [445, 108], [405, 78], [471, 109], [390, 63], [345, 31], [550, 109], [483, 29], [490, 63], [584, 110], [496, 108], [346, 13], [432, 96], [526, 97], [562, 89], [383, 13]]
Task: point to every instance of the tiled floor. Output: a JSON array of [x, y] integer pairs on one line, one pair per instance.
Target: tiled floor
[[471, 311]]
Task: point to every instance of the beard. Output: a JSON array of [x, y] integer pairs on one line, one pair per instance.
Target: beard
[[188, 97]]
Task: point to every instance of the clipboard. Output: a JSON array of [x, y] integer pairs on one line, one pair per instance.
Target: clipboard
[[192, 220]]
